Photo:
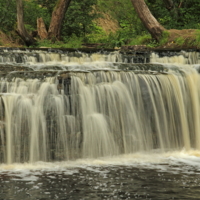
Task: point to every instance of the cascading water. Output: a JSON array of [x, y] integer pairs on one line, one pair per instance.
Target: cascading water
[[64, 106], [99, 125]]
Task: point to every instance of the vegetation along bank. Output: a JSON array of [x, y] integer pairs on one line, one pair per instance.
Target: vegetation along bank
[[100, 23]]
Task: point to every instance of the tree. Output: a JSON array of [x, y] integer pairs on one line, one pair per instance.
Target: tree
[[55, 24], [149, 21], [57, 19], [28, 39], [176, 14], [79, 19]]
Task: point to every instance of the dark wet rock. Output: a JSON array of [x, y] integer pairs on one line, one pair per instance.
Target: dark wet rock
[[141, 67], [135, 48], [9, 68]]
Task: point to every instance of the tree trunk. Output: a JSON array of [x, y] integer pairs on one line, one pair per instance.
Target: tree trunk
[[57, 19], [28, 39], [149, 21], [41, 29]]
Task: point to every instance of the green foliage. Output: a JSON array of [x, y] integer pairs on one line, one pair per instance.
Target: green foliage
[[98, 35], [122, 37], [7, 15], [196, 42], [123, 12], [32, 11], [184, 15], [72, 42], [139, 40], [79, 18], [80, 25], [189, 41], [164, 39], [146, 39], [116, 39], [111, 40], [180, 41], [46, 4], [198, 36]]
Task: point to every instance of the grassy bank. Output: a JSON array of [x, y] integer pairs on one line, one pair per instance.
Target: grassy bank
[[187, 38]]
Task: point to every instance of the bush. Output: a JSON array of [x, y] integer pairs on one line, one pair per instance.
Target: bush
[[79, 18], [139, 40], [32, 11], [8, 15]]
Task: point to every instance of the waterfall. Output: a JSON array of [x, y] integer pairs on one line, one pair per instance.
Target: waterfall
[[56, 106]]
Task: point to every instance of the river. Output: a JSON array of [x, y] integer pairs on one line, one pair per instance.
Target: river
[[99, 126]]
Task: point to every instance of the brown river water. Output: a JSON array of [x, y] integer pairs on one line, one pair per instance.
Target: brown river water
[[173, 175]]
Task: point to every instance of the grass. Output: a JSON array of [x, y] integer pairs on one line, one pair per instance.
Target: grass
[[72, 42], [189, 41], [140, 40], [197, 38], [147, 40], [180, 41], [118, 39], [164, 39]]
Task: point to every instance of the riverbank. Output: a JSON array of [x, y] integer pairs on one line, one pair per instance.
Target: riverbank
[[172, 40]]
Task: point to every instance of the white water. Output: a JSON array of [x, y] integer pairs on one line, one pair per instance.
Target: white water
[[100, 114], [41, 59], [182, 57], [175, 162]]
